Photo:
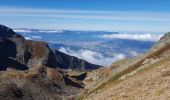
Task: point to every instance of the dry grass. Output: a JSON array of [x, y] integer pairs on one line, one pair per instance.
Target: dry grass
[[165, 74], [115, 77], [159, 92]]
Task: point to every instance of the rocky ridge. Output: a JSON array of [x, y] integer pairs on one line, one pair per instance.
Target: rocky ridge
[[65, 61]]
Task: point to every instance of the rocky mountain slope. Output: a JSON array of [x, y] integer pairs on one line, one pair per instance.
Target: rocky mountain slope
[[30, 70], [65, 61], [145, 77]]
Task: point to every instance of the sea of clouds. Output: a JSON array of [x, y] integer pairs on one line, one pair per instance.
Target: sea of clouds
[[92, 56], [140, 37]]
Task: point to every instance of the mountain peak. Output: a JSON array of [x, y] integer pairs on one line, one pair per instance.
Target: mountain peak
[[6, 32]]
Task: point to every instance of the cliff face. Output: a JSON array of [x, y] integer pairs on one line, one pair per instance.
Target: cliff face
[[22, 54], [34, 53]]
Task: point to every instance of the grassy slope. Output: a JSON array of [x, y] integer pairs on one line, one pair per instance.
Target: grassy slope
[[116, 76]]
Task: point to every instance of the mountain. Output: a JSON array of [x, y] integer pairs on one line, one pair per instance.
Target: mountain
[[145, 77], [28, 53], [30, 70]]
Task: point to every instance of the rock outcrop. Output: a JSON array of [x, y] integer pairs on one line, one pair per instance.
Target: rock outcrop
[[23, 54]]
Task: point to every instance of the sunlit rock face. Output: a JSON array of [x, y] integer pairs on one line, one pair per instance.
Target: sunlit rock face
[[23, 54]]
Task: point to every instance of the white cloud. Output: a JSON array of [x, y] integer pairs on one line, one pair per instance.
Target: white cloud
[[85, 14], [37, 31], [33, 37], [28, 38], [50, 31], [84, 19], [133, 53], [36, 37], [141, 37], [22, 31], [92, 56]]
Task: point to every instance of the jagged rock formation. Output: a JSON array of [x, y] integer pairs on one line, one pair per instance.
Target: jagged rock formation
[[143, 77]]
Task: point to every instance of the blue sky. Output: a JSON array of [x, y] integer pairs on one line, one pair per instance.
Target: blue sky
[[110, 15]]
